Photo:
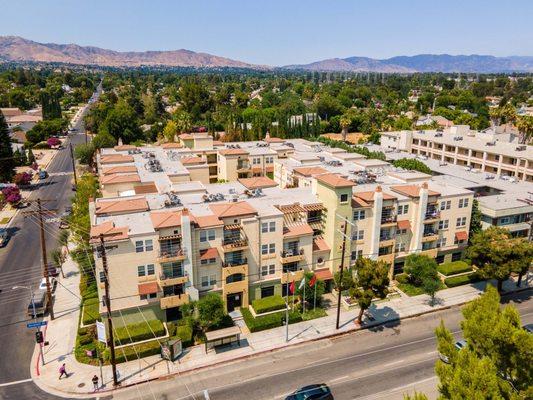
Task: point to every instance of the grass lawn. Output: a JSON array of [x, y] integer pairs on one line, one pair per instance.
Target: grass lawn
[[4, 221], [412, 290], [454, 267]]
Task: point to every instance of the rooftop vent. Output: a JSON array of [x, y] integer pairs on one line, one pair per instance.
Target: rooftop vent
[[521, 148], [438, 134], [493, 143]]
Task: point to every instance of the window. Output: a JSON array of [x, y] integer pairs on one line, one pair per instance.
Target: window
[[358, 215], [446, 205], [269, 160], [268, 248], [443, 224], [403, 209], [461, 222], [148, 296], [456, 256], [441, 242], [213, 279], [208, 261], [400, 247], [264, 249], [208, 280], [268, 269], [102, 276], [145, 270], [205, 281], [267, 291], [401, 231], [208, 234], [353, 255], [463, 203], [358, 235], [146, 245], [344, 198], [256, 160], [268, 227]]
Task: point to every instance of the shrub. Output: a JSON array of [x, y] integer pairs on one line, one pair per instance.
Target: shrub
[[454, 267], [138, 332], [11, 195], [41, 146], [185, 334], [312, 314], [133, 352], [91, 311], [22, 178], [266, 304], [85, 339], [53, 142], [462, 280], [268, 321]]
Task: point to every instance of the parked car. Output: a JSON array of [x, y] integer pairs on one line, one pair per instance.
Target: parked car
[[53, 284], [63, 224], [312, 392], [52, 271], [459, 345], [4, 237], [528, 328], [43, 174]]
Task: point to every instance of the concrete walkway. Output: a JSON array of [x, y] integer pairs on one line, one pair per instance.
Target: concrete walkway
[[61, 335]]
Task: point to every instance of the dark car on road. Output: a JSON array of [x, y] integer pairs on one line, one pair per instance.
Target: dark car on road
[[312, 392], [528, 328]]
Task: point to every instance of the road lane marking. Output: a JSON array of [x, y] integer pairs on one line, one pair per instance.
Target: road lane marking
[[432, 352], [16, 382], [393, 363], [340, 378], [396, 389]]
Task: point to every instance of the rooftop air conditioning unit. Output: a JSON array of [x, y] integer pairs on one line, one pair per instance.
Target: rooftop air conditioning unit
[[521, 148]]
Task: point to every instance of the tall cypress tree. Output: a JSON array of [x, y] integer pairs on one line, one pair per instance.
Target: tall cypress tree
[[7, 162]]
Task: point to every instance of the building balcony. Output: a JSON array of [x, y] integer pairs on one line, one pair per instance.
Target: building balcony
[[243, 167], [168, 280], [385, 241], [388, 258], [292, 276], [429, 236], [388, 219], [173, 301], [431, 216], [234, 267], [288, 256], [171, 255], [430, 252], [234, 244]]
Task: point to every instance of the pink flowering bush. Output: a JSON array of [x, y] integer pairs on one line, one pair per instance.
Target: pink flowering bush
[[52, 142], [12, 194], [22, 178]]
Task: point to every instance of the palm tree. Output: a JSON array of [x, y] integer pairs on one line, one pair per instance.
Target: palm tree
[[345, 122], [59, 259], [495, 115], [509, 113], [524, 124], [63, 238]]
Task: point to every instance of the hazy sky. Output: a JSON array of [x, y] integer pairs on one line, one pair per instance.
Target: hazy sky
[[279, 32]]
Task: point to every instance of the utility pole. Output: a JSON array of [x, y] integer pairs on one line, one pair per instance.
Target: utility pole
[[73, 164], [287, 310], [108, 306], [45, 262], [341, 271]]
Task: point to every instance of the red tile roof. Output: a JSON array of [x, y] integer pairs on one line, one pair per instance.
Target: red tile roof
[[119, 169], [319, 244], [209, 253], [404, 224], [120, 206], [237, 209], [295, 230], [115, 159], [310, 171], [148, 288], [192, 160], [324, 274], [257, 182], [233, 152], [125, 147], [171, 145], [119, 178], [208, 221], [461, 235], [168, 219], [369, 196], [109, 231], [334, 180], [412, 190], [146, 188]]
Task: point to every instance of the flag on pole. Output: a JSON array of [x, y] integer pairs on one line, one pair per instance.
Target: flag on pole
[[292, 287], [302, 284], [312, 281]]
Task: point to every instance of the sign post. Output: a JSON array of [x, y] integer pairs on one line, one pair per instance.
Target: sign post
[[100, 332]]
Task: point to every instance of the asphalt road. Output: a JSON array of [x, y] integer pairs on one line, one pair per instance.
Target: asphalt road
[[383, 363], [20, 264]]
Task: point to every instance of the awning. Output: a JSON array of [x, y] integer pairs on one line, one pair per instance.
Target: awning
[[404, 224], [257, 169], [314, 207], [208, 254], [231, 227], [324, 274], [269, 168], [222, 333], [461, 235], [148, 288]]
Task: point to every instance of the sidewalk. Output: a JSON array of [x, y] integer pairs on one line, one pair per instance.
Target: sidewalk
[[61, 335]]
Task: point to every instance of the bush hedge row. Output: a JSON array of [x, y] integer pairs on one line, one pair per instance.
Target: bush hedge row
[[267, 304], [137, 332], [268, 321], [134, 352], [462, 280], [91, 311]]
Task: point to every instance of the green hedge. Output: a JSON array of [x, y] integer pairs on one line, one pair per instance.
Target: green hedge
[[266, 304], [454, 267], [137, 332], [185, 332], [462, 280], [134, 352], [401, 278], [268, 321], [91, 311]]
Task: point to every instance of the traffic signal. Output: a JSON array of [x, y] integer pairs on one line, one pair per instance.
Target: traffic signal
[[39, 338]]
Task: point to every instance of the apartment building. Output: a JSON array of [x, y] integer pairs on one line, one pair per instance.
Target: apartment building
[[172, 236], [488, 151]]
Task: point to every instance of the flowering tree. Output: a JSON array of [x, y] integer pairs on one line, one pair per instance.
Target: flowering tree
[[22, 178], [52, 142], [12, 194]]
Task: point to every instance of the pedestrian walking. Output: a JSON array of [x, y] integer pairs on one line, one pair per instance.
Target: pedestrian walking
[[63, 371], [95, 383]]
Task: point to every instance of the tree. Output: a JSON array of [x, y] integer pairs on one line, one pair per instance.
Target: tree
[[422, 271], [211, 311], [12, 195], [22, 178], [103, 140], [412, 164], [122, 123], [85, 153], [31, 156], [310, 291], [170, 130], [524, 124], [491, 251], [498, 353], [345, 122], [475, 220], [7, 162], [372, 281], [53, 141], [347, 281], [415, 396], [522, 257]]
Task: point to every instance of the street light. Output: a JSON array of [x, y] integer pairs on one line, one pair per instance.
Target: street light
[[32, 297]]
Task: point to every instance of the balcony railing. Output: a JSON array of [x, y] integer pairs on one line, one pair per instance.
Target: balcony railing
[[433, 214], [384, 238], [235, 263], [168, 254], [292, 253], [165, 276], [234, 243], [387, 219], [243, 166], [429, 233]]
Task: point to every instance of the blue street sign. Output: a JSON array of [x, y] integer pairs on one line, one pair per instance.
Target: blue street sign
[[37, 324]]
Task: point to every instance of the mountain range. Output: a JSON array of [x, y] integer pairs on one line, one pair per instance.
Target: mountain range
[[17, 49]]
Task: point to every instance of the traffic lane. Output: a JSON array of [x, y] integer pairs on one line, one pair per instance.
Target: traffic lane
[[282, 372]]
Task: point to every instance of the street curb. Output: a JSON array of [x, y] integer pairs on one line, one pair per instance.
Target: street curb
[[259, 353]]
